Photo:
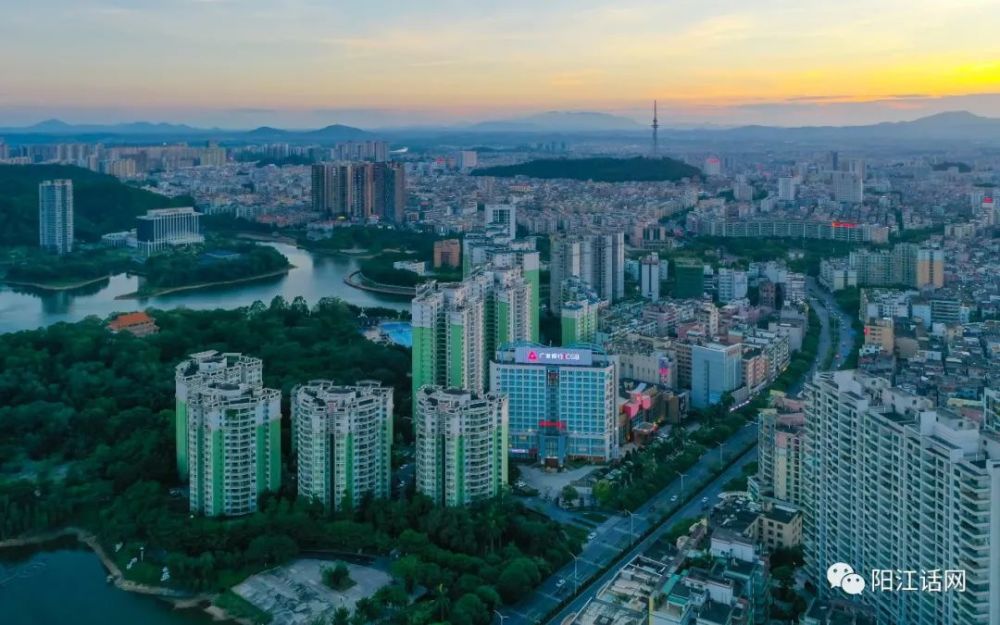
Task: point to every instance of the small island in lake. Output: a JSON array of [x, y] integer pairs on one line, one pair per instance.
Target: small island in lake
[[197, 267]]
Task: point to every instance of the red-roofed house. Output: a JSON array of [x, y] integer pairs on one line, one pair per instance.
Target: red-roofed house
[[137, 323]]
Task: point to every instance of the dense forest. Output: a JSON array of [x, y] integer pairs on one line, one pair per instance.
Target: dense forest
[[194, 266], [42, 268], [101, 203], [598, 169], [86, 438]]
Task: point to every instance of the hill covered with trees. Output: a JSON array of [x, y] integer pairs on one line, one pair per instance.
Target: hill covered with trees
[[638, 169], [101, 203], [87, 439]]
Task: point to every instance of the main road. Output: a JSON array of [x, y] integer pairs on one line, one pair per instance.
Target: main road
[[614, 543]]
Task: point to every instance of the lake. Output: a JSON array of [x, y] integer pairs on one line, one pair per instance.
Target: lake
[[65, 583], [314, 277]]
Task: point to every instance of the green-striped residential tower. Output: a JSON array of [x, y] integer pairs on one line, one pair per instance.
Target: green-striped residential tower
[[342, 438], [493, 247], [461, 445], [579, 311], [458, 326], [200, 369], [234, 447]]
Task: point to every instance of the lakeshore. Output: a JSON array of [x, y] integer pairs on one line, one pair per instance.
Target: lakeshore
[[49, 286], [358, 280], [178, 600], [203, 285]]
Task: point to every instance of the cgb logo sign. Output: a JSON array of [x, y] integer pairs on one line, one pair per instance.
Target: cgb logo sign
[[552, 355]]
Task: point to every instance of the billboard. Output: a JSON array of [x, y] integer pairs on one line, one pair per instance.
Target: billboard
[[553, 356]]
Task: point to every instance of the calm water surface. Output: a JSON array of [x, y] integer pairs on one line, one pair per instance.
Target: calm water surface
[[66, 584], [314, 277]]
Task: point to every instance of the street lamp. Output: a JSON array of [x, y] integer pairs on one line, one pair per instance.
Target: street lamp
[[631, 528], [683, 475], [576, 576], [721, 446], [502, 617]]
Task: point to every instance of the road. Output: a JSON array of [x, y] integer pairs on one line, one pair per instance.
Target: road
[[614, 536], [612, 542], [692, 509], [823, 303]]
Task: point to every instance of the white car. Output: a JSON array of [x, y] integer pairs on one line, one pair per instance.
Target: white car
[[561, 582], [592, 536], [673, 498], [704, 500]]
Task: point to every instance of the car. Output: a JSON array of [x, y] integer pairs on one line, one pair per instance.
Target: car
[[592, 536], [561, 582], [673, 498], [704, 500]]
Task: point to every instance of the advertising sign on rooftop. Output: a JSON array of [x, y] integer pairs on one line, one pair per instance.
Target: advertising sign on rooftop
[[553, 356]]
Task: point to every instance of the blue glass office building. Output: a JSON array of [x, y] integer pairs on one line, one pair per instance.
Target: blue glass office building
[[563, 402]]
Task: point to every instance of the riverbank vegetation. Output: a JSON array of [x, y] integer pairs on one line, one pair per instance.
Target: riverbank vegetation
[[101, 203], [37, 268], [87, 439]]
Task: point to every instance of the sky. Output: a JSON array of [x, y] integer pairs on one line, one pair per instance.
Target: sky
[[377, 63]]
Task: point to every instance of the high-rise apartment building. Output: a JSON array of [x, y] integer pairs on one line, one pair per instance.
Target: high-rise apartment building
[[732, 284], [596, 258], [493, 248], [788, 187], [458, 326], [342, 439], [781, 450], [991, 411], [578, 321], [715, 370], [930, 268], [892, 484], [563, 402], [55, 216], [649, 277], [848, 187], [906, 264], [461, 445], [504, 216], [360, 190], [200, 369], [228, 429], [323, 182]]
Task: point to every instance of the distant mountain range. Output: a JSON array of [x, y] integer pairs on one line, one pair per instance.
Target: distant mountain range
[[559, 121], [950, 126], [139, 130]]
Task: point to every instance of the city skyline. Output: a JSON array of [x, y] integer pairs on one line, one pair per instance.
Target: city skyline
[[301, 63]]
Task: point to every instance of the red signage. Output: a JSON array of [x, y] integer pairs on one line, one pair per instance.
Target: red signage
[[552, 424], [844, 224]]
